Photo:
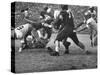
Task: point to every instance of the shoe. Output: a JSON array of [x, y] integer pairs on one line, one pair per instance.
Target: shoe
[[66, 51], [67, 44], [54, 53]]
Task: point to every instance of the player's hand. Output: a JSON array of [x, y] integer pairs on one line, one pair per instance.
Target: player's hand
[[84, 21], [74, 30]]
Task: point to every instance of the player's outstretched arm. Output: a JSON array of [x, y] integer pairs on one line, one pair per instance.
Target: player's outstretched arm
[[79, 25], [82, 29]]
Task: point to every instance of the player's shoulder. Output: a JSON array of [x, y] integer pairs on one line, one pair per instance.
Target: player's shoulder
[[63, 11]]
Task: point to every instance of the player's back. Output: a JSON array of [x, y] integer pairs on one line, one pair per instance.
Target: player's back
[[67, 19]]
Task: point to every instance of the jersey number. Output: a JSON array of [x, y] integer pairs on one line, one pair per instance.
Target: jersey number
[[19, 28]]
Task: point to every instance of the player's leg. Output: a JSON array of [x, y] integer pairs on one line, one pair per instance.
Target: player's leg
[[23, 41], [56, 51], [61, 35], [95, 41], [57, 43], [22, 45], [95, 38], [74, 37], [19, 36], [91, 37], [66, 44]]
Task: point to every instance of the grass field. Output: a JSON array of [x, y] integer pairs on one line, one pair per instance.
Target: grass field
[[38, 60]]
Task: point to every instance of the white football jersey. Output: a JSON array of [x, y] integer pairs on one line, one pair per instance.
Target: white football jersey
[[22, 30], [91, 23]]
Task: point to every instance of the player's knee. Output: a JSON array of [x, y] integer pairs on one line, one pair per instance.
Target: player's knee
[[66, 42]]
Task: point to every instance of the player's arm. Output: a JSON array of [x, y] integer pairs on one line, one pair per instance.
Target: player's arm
[[86, 27], [82, 29], [79, 25]]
